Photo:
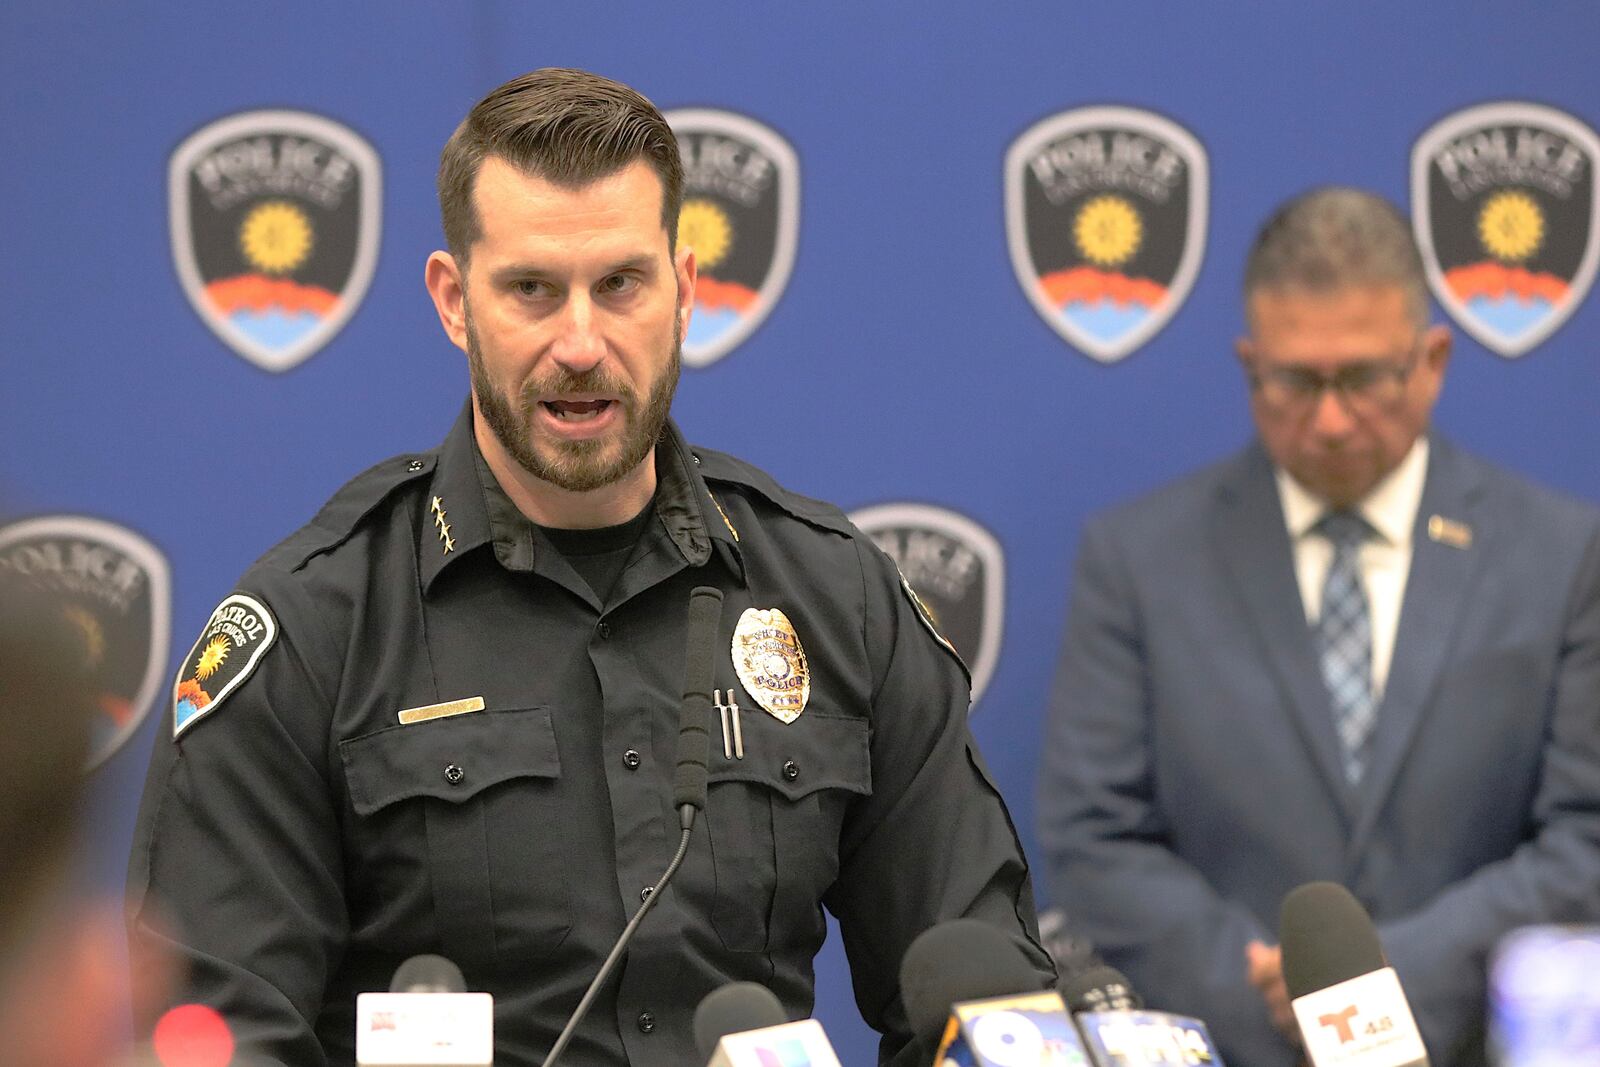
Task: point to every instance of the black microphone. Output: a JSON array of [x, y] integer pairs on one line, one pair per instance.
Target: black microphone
[[957, 961], [1099, 988], [1347, 999], [689, 779], [428, 974], [733, 1009], [1119, 1032], [427, 1016], [694, 734]]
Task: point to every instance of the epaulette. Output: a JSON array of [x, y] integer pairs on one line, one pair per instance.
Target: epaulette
[[720, 467], [344, 511]]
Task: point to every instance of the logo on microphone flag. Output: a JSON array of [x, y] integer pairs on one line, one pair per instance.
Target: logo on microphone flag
[[1503, 203], [1106, 222], [1364, 1021], [1029, 1030], [741, 215], [113, 589], [274, 217], [954, 570]]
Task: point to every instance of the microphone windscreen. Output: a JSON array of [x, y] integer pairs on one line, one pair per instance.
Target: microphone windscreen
[[700, 640], [733, 1009], [1327, 937], [1099, 988], [956, 961], [428, 974]]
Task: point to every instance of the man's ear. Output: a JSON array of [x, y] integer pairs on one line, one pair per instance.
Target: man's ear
[[447, 286], [687, 274]]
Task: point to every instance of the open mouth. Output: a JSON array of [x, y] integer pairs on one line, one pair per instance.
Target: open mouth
[[577, 410]]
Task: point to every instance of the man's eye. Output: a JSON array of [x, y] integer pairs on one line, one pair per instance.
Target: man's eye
[[1357, 379], [1303, 382], [529, 287], [619, 283]]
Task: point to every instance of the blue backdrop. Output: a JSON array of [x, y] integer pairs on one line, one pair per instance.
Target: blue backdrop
[[902, 362]]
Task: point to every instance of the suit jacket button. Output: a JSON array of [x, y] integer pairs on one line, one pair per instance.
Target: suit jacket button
[[454, 774], [647, 1022]]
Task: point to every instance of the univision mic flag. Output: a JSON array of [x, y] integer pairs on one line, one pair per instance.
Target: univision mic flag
[[1106, 221], [1503, 205], [741, 214], [114, 590], [274, 220]]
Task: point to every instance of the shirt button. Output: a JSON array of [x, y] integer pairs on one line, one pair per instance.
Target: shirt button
[[647, 1022], [604, 629], [644, 894], [414, 466], [791, 770], [631, 760], [454, 774]]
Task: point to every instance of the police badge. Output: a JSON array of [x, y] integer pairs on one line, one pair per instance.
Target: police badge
[[771, 664], [1106, 221], [115, 589], [1503, 202], [741, 213], [274, 220]]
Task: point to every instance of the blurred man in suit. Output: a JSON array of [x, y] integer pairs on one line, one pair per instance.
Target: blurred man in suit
[[1351, 652]]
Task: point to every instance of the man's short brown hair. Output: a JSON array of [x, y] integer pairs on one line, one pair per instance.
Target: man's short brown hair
[[1334, 238], [565, 126]]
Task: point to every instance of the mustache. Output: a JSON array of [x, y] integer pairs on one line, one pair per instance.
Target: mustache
[[563, 383]]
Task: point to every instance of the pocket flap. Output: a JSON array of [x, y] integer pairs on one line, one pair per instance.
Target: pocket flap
[[450, 759], [814, 752]]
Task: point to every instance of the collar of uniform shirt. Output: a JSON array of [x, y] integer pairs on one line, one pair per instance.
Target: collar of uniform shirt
[[1391, 507]]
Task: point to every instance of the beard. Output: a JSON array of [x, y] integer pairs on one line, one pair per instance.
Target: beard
[[576, 466]]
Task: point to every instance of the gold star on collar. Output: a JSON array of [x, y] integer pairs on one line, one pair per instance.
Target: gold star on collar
[[444, 527]]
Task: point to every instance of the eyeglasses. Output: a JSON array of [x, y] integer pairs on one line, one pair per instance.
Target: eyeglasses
[[1368, 386]]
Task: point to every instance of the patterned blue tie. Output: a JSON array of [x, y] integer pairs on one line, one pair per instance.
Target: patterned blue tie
[[1344, 639]]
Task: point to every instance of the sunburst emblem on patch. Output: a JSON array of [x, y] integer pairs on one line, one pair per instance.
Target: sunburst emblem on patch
[[1511, 226], [771, 664], [211, 657], [1108, 231], [705, 227], [276, 237]]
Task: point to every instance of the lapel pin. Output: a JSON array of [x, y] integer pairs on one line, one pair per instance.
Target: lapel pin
[[1449, 532]]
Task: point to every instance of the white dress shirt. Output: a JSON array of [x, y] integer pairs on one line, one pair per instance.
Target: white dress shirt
[[1384, 560]]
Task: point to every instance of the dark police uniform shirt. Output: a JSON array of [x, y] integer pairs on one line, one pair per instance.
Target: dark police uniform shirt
[[296, 842]]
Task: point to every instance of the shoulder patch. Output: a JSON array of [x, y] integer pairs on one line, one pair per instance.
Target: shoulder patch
[[925, 614], [235, 638]]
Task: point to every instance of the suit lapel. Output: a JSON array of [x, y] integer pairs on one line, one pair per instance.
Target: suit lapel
[[1438, 589], [1249, 534]]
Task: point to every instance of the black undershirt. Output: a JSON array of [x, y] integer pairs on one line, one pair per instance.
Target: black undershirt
[[599, 555]]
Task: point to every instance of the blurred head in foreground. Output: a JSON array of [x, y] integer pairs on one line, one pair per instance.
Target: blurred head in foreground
[[62, 998]]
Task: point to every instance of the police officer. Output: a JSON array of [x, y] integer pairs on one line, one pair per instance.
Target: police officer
[[442, 716]]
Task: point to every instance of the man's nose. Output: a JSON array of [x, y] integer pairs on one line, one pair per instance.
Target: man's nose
[[578, 345], [1331, 417]]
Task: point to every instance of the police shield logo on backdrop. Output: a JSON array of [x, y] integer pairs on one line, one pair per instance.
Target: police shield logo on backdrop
[[115, 590], [1503, 204], [274, 218], [741, 213], [954, 568], [1106, 221]]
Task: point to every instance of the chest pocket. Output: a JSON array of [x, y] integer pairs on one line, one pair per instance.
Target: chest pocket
[[774, 819], [482, 779]]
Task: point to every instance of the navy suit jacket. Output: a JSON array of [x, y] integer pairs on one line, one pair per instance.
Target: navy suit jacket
[[1191, 774]]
